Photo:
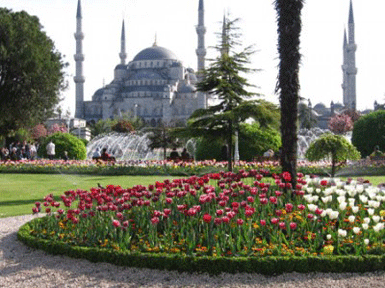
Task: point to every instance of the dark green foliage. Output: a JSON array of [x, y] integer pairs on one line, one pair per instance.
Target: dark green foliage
[[368, 132], [64, 142], [209, 148], [289, 31], [31, 72], [212, 265], [223, 80], [335, 147], [162, 137], [255, 140]]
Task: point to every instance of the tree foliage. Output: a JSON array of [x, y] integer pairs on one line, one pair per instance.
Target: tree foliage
[[64, 142], [223, 80], [334, 147], [369, 132], [289, 31], [254, 140], [31, 72], [306, 118], [162, 137], [340, 124], [38, 132], [122, 126]]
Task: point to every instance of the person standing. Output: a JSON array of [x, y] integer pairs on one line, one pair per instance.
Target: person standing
[[50, 150]]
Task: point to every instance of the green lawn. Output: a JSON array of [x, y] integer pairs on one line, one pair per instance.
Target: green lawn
[[19, 192]]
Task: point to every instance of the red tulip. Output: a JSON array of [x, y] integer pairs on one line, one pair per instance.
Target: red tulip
[[262, 222], [207, 218], [293, 225], [240, 222]]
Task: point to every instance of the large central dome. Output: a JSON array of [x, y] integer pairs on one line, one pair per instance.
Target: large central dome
[[155, 53]]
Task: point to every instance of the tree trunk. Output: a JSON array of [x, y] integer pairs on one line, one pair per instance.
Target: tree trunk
[[230, 145], [289, 30]]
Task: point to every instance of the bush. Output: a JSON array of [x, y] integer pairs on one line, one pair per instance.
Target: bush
[[209, 148], [369, 132], [254, 141], [64, 142], [335, 147]]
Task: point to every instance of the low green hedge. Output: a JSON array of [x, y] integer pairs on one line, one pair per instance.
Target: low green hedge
[[213, 265]]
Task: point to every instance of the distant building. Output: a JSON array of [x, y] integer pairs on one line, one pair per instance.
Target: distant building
[[349, 70], [154, 86]]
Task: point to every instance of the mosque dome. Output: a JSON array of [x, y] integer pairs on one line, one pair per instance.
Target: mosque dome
[[155, 53]]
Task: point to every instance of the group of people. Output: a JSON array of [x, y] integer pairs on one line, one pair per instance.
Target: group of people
[[174, 155], [19, 151]]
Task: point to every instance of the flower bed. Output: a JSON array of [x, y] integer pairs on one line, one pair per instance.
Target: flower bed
[[149, 167], [242, 221]]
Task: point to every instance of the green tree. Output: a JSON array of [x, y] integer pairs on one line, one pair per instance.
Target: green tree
[[162, 137], [334, 147], [289, 31], [223, 79], [254, 140], [369, 132], [31, 72], [306, 118], [64, 142]]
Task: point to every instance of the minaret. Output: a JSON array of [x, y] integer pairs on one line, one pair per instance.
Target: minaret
[[79, 58], [225, 46], [344, 69], [123, 54], [201, 51], [350, 48]]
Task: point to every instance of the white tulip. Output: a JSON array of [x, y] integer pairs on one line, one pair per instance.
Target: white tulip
[[355, 209], [367, 220], [370, 211], [342, 205], [363, 199], [366, 241], [378, 227], [351, 218], [333, 215], [328, 236], [341, 199], [312, 207], [376, 218], [342, 232], [365, 226], [356, 230]]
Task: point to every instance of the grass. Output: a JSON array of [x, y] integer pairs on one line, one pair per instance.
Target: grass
[[19, 192]]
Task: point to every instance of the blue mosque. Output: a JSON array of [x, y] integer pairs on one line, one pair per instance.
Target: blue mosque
[[154, 86]]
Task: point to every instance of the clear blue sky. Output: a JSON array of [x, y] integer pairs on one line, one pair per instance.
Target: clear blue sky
[[174, 23]]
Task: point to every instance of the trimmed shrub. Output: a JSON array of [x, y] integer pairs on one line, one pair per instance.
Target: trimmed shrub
[[208, 148], [64, 142], [369, 132], [254, 141]]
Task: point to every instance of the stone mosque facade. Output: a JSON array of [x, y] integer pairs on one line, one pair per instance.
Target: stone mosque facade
[[154, 86]]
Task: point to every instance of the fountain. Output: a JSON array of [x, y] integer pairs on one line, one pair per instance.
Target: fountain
[[125, 146], [305, 137]]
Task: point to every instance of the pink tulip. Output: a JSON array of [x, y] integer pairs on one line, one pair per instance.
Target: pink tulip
[[240, 222], [116, 223], [274, 220], [262, 222], [293, 225]]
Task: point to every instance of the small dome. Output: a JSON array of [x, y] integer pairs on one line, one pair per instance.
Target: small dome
[[121, 67], [320, 106], [187, 88], [155, 53]]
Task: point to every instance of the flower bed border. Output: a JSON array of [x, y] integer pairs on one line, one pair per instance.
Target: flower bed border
[[271, 265]]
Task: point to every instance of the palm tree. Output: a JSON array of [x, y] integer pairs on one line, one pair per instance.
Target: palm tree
[[289, 30]]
